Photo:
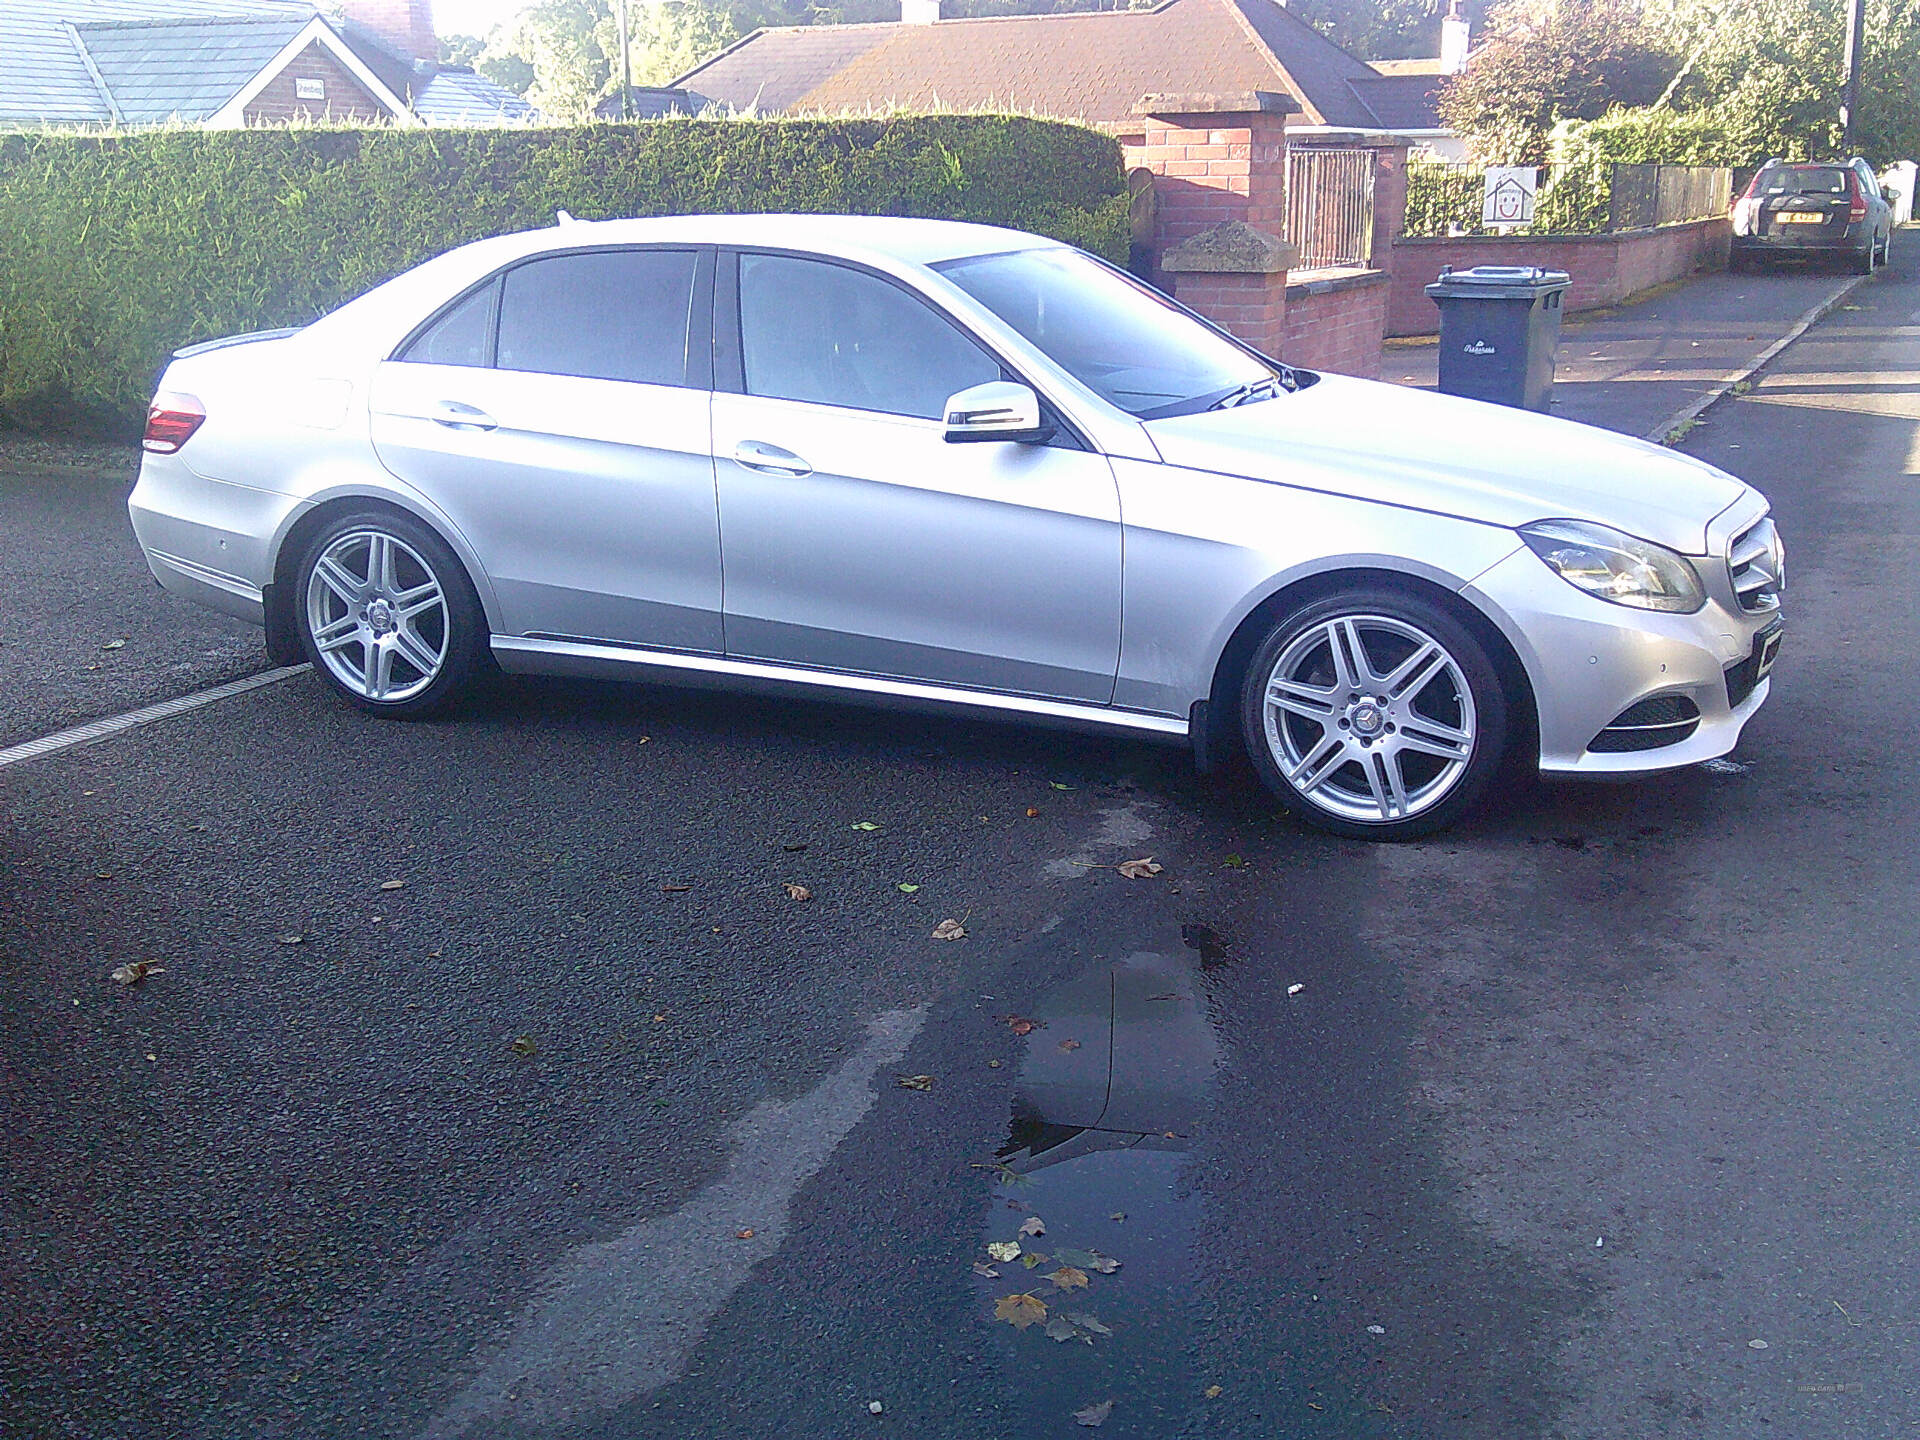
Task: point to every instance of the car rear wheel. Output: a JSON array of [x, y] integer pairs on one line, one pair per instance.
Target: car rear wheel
[[387, 615], [1374, 714]]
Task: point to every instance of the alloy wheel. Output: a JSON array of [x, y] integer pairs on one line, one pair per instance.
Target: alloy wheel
[[1369, 718], [377, 615]]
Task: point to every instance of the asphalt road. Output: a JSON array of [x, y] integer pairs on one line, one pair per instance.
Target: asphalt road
[[1535, 1129]]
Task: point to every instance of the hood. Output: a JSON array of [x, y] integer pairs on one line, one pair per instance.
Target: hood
[[1459, 457]]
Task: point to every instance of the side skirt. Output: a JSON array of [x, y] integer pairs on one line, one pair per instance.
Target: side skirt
[[522, 655]]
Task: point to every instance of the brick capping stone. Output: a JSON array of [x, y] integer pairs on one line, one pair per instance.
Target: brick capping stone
[[1326, 282], [1235, 102], [1230, 248]]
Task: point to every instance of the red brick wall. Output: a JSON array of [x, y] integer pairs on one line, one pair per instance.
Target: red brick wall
[[1605, 269], [407, 25], [1336, 325], [1210, 169], [346, 98]]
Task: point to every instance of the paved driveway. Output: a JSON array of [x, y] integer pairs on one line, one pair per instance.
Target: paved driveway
[[1594, 1118]]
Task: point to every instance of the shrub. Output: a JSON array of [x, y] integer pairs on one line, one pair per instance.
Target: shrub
[[117, 250]]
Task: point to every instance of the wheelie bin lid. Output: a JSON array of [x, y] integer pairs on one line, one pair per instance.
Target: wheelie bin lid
[[1498, 282]]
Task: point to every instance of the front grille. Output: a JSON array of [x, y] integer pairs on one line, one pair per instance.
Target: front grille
[[1757, 566], [1649, 725]]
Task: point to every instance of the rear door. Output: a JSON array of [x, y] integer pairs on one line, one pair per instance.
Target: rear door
[[559, 414]]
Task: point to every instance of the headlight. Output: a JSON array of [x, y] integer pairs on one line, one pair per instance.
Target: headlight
[[1615, 566]]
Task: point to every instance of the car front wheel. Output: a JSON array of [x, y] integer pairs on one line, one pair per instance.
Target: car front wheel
[[1374, 714], [387, 615]]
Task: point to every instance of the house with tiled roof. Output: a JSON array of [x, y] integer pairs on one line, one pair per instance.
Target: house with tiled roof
[[1090, 66], [224, 64]]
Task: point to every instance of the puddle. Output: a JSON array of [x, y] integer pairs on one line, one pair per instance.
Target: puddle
[[1112, 1088]]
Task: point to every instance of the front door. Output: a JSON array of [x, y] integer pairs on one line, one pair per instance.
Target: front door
[[857, 539], [559, 417]]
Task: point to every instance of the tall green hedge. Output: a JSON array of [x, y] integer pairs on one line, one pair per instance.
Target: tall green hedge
[[116, 250]]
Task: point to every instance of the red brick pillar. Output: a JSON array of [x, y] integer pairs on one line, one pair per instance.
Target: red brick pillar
[[1220, 194], [1389, 202]]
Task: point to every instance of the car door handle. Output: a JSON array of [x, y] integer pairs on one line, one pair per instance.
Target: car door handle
[[758, 455], [456, 416]]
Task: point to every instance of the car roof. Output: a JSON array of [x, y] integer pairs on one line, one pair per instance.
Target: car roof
[[855, 237]]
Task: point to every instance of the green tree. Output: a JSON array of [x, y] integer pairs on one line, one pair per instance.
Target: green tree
[[1544, 61]]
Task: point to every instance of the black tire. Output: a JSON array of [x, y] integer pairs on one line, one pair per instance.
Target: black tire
[[1352, 789], [416, 653]]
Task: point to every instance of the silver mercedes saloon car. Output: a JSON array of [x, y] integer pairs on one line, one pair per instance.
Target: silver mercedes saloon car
[[926, 463]]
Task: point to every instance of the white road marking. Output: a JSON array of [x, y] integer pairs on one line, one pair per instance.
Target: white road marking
[[114, 724], [620, 1317]]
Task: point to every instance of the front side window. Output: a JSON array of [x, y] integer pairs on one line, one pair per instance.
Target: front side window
[[1114, 335], [824, 333], [602, 315]]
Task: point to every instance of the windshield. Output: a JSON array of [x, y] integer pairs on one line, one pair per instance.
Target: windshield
[[1116, 336]]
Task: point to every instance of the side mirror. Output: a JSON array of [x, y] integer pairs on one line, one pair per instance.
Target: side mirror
[[997, 410]]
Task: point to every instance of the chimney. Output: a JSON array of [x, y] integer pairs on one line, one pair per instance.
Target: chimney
[[1454, 34], [919, 12], [406, 25]]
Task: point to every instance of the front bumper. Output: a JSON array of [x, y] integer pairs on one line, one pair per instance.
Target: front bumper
[[1590, 661]]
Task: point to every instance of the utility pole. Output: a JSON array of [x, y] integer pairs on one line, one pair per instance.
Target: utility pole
[[1850, 74], [626, 62]]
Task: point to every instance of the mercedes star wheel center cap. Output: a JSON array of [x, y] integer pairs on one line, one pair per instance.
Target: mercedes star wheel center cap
[[380, 617], [1367, 719]]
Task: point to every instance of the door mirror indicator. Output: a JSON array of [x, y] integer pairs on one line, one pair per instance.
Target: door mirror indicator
[[997, 410]]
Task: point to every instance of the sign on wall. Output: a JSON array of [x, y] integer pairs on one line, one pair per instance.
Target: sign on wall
[[304, 89], [1508, 199]]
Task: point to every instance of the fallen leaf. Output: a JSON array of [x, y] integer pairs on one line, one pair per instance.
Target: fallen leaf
[[1751, 1344], [658, 1018], [1295, 988], [1068, 1278], [1005, 1251], [986, 1270], [1094, 1416], [1067, 1047], [1139, 869], [114, 645], [908, 889], [292, 939], [1058, 786], [1212, 1392], [676, 889], [914, 1082], [1032, 813], [874, 1407], [865, 825], [743, 1234], [1088, 1260], [134, 973], [523, 1045], [1088, 1322], [1021, 1310], [1118, 1215], [1058, 1328], [797, 892], [1236, 862], [993, 1064], [393, 884], [794, 849], [1021, 1025], [949, 930], [1032, 1225], [1032, 1259]]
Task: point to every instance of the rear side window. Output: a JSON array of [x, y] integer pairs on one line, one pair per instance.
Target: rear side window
[[603, 315], [810, 330], [462, 336]]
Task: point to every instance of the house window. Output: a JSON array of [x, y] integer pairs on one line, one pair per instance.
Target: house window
[[309, 89]]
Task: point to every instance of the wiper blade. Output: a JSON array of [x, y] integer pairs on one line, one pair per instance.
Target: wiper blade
[[1254, 390]]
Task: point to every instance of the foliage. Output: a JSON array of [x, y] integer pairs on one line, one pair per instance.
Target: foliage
[[1655, 135], [122, 248], [1544, 61], [1445, 199], [1386, 29]]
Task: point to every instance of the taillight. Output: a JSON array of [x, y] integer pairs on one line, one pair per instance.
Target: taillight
[[171, 421], [1858, 209]]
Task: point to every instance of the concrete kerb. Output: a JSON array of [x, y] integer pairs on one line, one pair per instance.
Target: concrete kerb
[[1670, 430]]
